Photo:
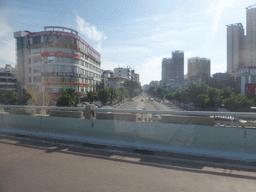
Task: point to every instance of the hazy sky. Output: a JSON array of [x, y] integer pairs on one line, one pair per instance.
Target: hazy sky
[[134, 33]]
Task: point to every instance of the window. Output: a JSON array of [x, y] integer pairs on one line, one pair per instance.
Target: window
[[29, 60], [52, 38], [37, 40], [36, 51], [36, 59], [29, 70], [45, 39], [49, 90], [36, 79], [30, 80], [36, 69]]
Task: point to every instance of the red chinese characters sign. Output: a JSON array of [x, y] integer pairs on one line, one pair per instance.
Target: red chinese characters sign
[[60, 54], [66, 84]]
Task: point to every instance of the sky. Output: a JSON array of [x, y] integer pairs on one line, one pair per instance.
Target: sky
[[134, 33]]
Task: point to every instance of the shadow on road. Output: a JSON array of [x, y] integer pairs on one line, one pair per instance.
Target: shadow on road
[[140, 157]]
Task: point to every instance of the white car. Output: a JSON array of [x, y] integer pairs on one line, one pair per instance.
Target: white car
[[155, 116]]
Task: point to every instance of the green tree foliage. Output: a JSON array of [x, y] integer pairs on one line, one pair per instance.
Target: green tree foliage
[[151, 91], [104, 95], [238, 103], [92, 96], [115, 94], [10, 98], [24, 99], [123, 93], [202, 96], [226, 92], [158, 92], [67, 98], [134, 88], [208, 98], [39, 98]]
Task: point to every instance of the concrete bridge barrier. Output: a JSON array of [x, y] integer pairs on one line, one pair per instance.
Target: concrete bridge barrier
[[187, 120], [118, 116], [64, 113], [180, 134], [22, 111]]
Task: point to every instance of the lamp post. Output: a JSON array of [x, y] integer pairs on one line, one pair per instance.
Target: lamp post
[[43, 112]]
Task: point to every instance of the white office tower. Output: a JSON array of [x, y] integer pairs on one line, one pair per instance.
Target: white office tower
[[235, 47], [250, 36]]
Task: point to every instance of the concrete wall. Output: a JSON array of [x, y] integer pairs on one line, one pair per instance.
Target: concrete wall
[[118, 116], [187, 120], [173, 137], [71, 114]]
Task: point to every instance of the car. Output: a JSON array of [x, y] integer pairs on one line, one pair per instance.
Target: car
[[109, 103], [155, 116]]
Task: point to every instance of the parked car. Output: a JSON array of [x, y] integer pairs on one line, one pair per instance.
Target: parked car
[[109, 103], [155, 116]]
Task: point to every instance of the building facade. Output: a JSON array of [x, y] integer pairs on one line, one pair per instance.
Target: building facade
[[166, 70], [137, 77], [116, 82], [199, 68], [235, 47], [177, 69], [173, 68], [123, 72], [56, 59], [105, 75], [246, 75], [154, 84], [7, 78], [250, 48]]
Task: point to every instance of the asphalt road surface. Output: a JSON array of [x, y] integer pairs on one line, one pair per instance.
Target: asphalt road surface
[[146, 104], [32, 166]]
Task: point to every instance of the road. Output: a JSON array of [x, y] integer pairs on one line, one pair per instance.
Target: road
[[146, 104], [28, 165]]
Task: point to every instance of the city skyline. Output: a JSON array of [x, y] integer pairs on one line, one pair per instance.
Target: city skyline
[[126, 36]]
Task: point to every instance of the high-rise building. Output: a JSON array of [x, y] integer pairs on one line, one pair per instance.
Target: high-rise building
[[250, 49], [199, 68], [166, 70], [235, 47], [137, 77], [173, 68], [123, 72], [56, 59], [177, 71]]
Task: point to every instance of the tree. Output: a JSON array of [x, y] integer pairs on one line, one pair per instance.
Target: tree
[[134, 88], [67, 98], [114, 94], [91, 96], [23, 100], [123, 93], [226, 92], [104, 95], [151, 91], [214, 97], [238, 103], [38, 98], [11, 98]]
